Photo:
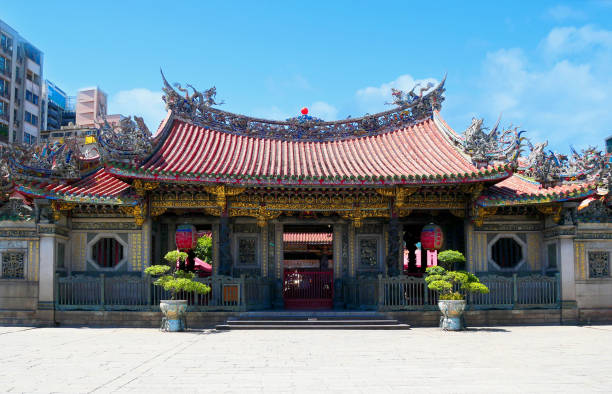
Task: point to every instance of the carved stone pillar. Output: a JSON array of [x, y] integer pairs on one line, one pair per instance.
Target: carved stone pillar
[[352, 250], [337, 240], [215, 248], [393, 248], [569, 307], [278, 266], [225, 255]]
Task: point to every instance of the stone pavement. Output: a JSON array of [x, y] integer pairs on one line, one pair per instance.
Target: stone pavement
[[505, 359]]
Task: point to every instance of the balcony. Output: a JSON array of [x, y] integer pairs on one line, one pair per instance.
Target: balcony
[[7, 50], [5, 94], [4, 117]]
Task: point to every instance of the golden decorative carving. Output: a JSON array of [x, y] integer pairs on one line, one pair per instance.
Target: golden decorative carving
[[460, 213], [142, 188], [216, 211], [553, 210], [222, 192], [473, 189], [158, 211], [483, 212], [58, 207], [262, 214], [138, 212], [398, 193], [403, 212]]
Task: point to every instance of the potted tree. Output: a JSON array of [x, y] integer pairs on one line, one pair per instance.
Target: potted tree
[[175, 281], [451, 259], [452, 287]]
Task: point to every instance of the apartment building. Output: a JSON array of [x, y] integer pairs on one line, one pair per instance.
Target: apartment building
[[91, 108], [58, 107], [21, 72]]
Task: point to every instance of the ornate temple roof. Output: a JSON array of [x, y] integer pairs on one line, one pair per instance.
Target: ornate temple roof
[[98, 187], [519, 190], [419, 153]]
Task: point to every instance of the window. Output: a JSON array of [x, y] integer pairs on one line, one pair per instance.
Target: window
[[599, 264], [31, 118], [28, 95], [13, 265], [552, 255], [507, 252], [107, 252]]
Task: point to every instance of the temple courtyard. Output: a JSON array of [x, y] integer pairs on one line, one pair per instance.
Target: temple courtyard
[[498, 359]]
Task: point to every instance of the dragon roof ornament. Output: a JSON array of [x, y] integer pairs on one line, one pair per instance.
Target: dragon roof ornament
[[197, 108], [128, 142], [493, 147], [551, 168], [40, 161]]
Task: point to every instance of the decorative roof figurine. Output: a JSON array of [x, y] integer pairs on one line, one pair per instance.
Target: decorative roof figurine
[[198, 108], [128, 142]]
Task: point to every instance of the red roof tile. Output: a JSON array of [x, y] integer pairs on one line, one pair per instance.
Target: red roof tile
[[100, 183], [420, 153], [519, 189]]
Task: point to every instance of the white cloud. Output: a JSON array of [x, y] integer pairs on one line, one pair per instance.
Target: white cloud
[[273, 113], [562, 13], [572, 40], [566, 100], [373, 99], [139, 102], [323, 110]]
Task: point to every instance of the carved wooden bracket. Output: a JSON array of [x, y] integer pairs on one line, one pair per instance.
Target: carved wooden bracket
[[158, 211], [138, 212], [59, 207], [142, 188], [483, 212], [553, 210], [222, 192], [398, 193]]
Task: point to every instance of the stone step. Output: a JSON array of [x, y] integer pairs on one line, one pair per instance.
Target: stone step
[[310, 322], [226, 327]]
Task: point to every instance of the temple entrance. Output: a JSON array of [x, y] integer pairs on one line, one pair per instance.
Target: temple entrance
[[308, 277]]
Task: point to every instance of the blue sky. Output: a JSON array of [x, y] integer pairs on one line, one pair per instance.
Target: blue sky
[[544, 65]]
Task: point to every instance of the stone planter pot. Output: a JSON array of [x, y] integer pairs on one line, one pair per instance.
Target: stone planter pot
[[451, 314], [174, 314]]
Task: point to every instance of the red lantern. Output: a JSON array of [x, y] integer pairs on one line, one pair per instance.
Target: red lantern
[[185, 236], [304, 111], [432, 237]]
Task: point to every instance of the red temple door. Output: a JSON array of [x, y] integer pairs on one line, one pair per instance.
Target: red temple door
[[308, 289]]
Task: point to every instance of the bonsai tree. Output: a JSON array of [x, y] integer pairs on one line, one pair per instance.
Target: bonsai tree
[[445, 282], [203, 249], [174, 280], [450, 259]]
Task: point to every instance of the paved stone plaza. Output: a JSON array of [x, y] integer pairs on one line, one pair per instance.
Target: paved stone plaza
[[505, 359]]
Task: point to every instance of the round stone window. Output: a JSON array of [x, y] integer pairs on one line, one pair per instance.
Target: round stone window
[[507, 252], [107, 252]]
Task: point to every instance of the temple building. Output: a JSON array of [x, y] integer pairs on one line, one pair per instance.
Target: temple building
[[304, 213]]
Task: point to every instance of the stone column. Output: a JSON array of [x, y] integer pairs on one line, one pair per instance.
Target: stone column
[[569, 308], [337, 240], [393, 248], [46, 278], [225, 256], [278, 266], [215, 248], [352, 250]]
